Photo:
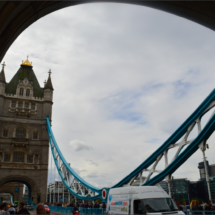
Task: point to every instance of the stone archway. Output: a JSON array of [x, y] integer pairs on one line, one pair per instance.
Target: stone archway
[[15, 189], [34, 191], [16, 16]]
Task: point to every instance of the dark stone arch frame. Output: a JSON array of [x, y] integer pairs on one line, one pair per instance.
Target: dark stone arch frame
[[16, 16], [21, 179]]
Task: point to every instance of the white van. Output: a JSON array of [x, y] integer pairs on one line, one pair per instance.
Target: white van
[[135, 200]]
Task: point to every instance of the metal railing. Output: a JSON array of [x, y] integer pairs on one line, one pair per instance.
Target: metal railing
[[82, 211], [189, 212]]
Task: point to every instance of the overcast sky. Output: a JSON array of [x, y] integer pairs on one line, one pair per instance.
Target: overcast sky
[[125, 77]]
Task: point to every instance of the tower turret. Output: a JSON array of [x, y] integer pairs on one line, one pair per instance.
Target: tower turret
[[48, 96], [2, 80]]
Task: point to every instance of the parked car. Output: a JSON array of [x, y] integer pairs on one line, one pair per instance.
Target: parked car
[[47, 209]]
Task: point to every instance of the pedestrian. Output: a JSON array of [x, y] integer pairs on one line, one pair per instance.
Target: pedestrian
[[22, 210], [75, 210], [71, 205], [12, 210], [86, 205], [184, 207], [103, 205], [204, 204], [3, 209], [40, 209]]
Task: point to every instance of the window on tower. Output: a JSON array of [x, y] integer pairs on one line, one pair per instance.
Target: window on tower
[[13, 104], [21, 133], [6, 157], [27, 92], [32, 106], [19, 104], [21, 91], [35, 135], [5, 133], [18, 156], [29, 158], [26, 105]]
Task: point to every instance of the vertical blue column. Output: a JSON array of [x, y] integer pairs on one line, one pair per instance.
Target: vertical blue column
[[29, 197]]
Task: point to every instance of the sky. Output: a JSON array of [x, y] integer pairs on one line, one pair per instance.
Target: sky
[[125, 77]]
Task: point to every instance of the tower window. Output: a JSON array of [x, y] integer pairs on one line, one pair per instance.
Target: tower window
[[18, 156], [6, 157], [13, 104], [26, 105], [20, 133], [27, 92], [21, 91], [5, 133], [35, 135], [19, 104], [33, 106], [29, 158]]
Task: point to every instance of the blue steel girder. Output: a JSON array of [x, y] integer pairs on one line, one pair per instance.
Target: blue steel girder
[[73, 182], [76, 185]]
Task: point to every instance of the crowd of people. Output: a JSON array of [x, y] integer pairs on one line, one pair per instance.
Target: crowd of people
[[4, 210], [75, 207], [82, 205], [196, 206]]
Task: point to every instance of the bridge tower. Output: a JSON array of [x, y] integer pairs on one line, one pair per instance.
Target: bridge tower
[[24, 143]]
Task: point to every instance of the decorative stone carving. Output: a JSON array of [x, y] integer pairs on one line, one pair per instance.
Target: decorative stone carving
[[36, 158], [19, 146]]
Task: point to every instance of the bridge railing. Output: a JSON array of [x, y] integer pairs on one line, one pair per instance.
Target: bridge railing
[[189, 212], [82, 211]]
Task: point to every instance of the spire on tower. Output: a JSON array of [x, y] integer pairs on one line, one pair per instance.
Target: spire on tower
[[2, 75], [26, 62], [48, 84]]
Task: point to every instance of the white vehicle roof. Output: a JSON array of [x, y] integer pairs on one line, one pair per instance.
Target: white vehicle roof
[[142, 191]]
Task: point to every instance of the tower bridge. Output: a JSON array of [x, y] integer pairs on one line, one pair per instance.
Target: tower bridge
[[147, 172], [26, 112], [25, 116], [24, 143]]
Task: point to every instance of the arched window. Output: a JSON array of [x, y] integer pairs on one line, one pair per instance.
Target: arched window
[[27, 92], [21, 91], [35, 135], [21, 133]]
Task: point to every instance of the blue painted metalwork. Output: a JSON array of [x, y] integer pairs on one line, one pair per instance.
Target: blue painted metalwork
[[72, 172], [171, 140], [68, 210], [175, 164]]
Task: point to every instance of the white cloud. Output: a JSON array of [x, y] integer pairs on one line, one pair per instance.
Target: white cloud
[[79, 145], [125, 78]]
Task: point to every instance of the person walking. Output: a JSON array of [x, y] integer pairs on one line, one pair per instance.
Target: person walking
[[75, 210], [22, 210], [204, 204], [40, 209], [3, 209]]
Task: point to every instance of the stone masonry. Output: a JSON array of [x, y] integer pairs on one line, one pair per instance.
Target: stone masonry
[[24, 144], [13, 188]]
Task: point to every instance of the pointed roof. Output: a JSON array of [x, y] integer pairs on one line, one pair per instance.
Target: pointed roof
[[2, 75], [48, 84], [24, 72]]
